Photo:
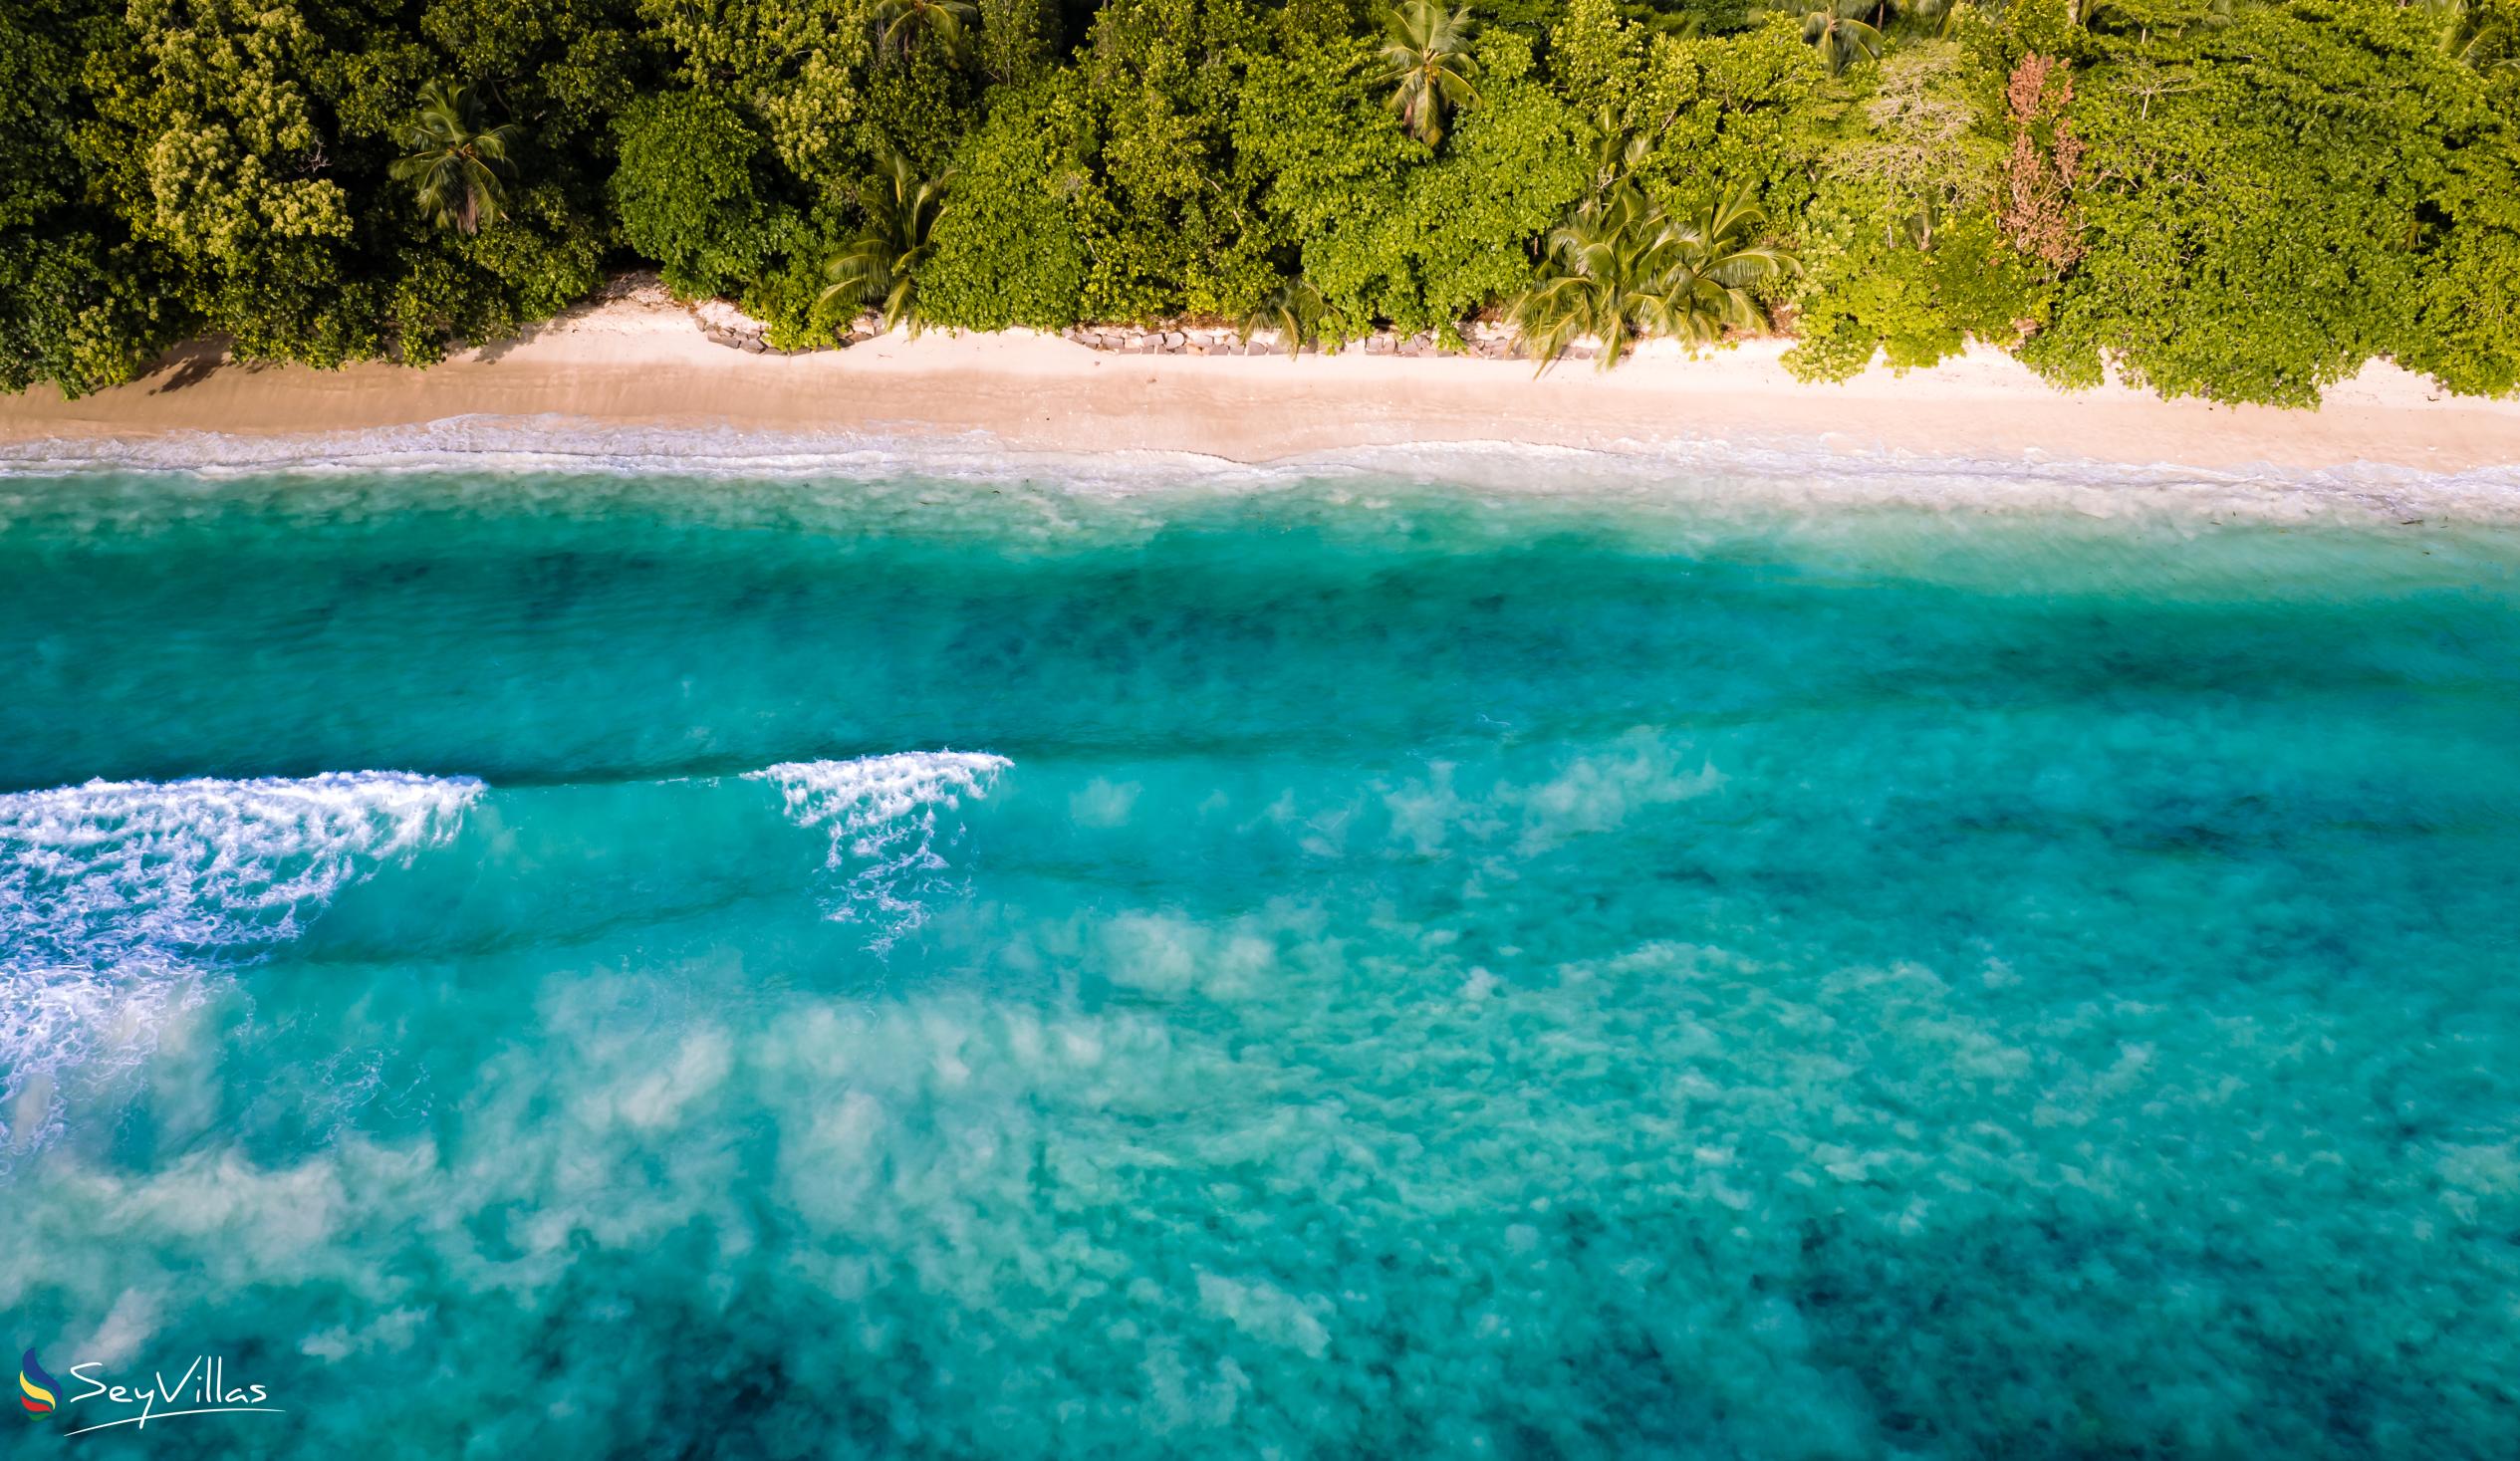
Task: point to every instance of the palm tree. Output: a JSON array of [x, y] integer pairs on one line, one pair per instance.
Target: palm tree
[[1292, 310], [1833, 29], [879, 266], [1620, 269], [1601, 280], [1428, 64], [1617, 154], [1940, 19], [1709, 262], [2478, 34], [903, 23], [454, 161]]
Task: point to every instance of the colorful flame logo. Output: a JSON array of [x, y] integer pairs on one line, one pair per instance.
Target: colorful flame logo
[[35, 1387]]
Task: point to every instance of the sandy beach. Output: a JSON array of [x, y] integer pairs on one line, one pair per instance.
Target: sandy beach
[[643, 360]]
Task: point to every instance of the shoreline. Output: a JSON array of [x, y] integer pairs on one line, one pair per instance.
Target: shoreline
[[641, 363]]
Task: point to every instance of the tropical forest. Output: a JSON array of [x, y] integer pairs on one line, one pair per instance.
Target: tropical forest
[[2244, 200]]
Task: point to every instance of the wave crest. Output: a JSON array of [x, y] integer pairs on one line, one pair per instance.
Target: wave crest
[[880, 813], [117, 899]]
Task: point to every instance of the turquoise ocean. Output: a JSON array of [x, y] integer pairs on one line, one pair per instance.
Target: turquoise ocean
[[1450, 956]]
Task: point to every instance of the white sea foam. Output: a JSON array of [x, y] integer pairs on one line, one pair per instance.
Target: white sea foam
[[880, 813], [1728, 474], [119, 900]]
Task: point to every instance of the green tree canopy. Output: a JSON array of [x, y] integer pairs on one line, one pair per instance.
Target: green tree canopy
[[2241, 199], [685, 190]]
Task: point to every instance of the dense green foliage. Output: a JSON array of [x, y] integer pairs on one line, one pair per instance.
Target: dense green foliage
[[2241, 199], [683, 189]]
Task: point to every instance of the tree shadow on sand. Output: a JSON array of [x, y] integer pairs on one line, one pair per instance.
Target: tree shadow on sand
[[187, 365]]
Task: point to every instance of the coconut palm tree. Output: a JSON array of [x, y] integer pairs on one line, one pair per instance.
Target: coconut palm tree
[[1617, 154], [455, 162], [1940, 19], [1835, 29], [1292, 310], [1428, 64], [1709, 264], [1621, 269], [879, 266], [901, 24], [2478, 34], [1600, 282]]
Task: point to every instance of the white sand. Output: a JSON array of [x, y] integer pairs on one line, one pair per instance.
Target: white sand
[[641, 360]]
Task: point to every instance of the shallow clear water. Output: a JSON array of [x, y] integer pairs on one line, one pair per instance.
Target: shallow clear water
[[633, 965]]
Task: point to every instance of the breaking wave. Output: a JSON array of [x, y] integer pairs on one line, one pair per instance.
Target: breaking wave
[[880, 813], [120, 900], [1732, 472]]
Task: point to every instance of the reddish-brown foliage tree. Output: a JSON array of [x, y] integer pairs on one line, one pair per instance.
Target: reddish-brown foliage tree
[[2037, 204]]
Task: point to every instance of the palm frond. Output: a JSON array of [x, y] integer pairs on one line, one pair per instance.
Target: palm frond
[[1621, 269], [1293, 310], [1426, 60], [455, 163], [947, 24], [879, 266]]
